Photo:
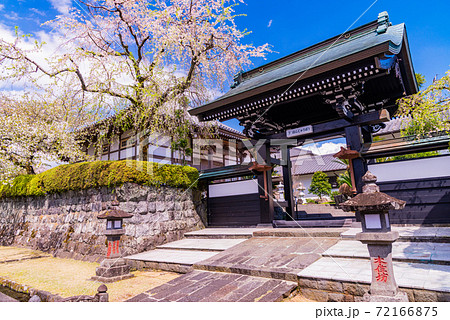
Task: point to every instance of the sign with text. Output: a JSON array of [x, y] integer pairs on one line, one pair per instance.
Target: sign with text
[[299, 131]]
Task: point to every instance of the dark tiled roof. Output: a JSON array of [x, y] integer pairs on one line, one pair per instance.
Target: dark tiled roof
[[314, 57], [394, 125], [310, 164], [229, 129]]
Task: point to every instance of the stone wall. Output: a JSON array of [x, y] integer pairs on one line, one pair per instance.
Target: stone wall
[[66, 224]]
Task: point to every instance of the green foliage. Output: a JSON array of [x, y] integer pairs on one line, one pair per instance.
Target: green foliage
[[344, 177], [410, 156], [429, 109], [320, 184], [17, 187], [97, 174], [420, 79], [335, 193]]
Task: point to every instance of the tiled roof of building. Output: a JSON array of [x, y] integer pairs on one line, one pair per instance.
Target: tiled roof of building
[[310, 164], [229, 129], [394, 125], [355, 41]]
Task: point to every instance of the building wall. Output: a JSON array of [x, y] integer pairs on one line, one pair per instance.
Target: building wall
[[158, 149], [423, 183]]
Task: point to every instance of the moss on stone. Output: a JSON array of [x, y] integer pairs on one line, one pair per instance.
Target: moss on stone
[[16, 188], [87, 175]]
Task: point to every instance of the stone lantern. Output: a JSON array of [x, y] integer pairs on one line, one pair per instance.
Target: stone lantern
[[374, 207], [301, 188], [113, 268]]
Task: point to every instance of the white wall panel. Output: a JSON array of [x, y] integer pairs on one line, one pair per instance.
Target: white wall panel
[[114, 156], [412, 169], [233, 188], [127, 153]]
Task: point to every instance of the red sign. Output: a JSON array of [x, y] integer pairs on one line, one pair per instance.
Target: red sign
[[381, 269]]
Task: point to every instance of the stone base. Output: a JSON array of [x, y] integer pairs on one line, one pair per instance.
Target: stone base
[[112, 270], [112, 279], [399, 297]]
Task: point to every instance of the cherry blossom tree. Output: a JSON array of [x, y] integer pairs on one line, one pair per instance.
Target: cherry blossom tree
[[136, 59], [35, 130], [141, 56]]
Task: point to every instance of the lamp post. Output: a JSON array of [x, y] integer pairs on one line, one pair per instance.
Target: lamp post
[[113, 268], [374, 207]]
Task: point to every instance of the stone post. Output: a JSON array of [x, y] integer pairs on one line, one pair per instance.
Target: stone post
[[374, 207], [102, 294]]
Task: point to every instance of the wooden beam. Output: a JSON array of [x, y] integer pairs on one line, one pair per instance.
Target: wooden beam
[[373, 117], [275, 161]]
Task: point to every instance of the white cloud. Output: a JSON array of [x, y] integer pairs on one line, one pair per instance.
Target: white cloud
[[39, 12], [325, 148], [11, 16], [1, 6], [52, 45], [270, 23], [62, 6]]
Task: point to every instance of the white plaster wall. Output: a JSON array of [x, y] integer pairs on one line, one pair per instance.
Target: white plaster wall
[[114, 144], [233, 188], [412, 169]]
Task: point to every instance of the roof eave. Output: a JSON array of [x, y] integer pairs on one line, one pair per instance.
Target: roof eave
[[368, 53]]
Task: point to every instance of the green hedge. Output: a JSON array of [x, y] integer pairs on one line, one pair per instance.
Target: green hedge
[[96, 174]]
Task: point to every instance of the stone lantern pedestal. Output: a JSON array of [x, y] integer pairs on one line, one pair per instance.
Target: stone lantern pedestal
[[113, 268], [374, 207]]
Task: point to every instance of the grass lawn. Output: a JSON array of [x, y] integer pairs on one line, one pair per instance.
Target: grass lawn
[[14, 253], [67, 277]]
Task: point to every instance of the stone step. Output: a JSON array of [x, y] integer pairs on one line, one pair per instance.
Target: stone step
[[417, 252], [301, 232], [201, 244], [335, 223], [408, 275], [222, 233], [411, 234], [204, 286], [168, 260]]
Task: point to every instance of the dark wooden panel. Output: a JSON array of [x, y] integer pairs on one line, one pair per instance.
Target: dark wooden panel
[[242, 210], [427, 200]]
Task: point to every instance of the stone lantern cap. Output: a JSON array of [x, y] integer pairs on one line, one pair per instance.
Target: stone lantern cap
[[371, 199], [114, 214]]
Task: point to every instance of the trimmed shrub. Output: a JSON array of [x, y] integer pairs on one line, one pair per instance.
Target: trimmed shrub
[[97, 174], [18, 187], [320, 184]]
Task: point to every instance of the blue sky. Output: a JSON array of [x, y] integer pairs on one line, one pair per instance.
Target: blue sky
[[290, 25]]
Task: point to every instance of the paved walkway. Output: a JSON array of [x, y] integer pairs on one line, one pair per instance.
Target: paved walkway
[[204, 286], [257, 269], [271, 257], [268, 266]]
